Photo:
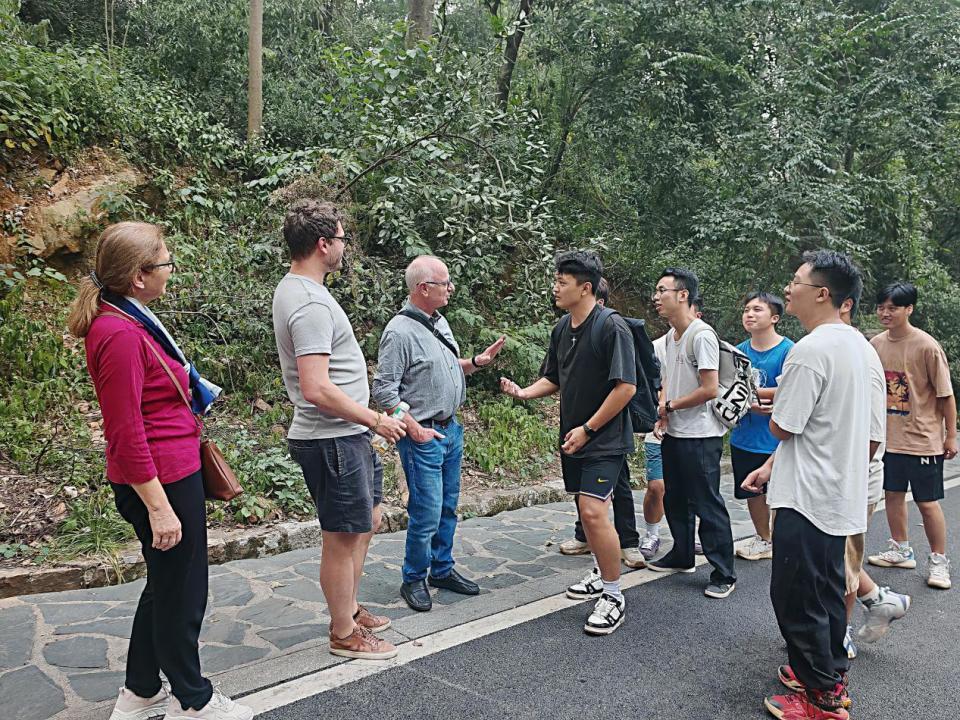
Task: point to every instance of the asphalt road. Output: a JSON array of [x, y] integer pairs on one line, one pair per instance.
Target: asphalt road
[[679, 655]]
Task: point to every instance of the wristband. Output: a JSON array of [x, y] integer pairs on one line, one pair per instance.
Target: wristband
[[474, 362]]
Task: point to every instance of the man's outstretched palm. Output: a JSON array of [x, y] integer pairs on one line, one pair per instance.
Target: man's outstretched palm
[[488, 355]]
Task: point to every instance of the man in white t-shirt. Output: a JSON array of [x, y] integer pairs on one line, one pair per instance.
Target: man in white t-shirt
[[818, 486], [692, 437], [653, 460]]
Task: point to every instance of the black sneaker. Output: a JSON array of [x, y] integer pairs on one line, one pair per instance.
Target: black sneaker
[[664, 565], [719, 590], [607, 615]]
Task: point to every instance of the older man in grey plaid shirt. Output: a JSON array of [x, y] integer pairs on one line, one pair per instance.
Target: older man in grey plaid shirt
[[420, 364]]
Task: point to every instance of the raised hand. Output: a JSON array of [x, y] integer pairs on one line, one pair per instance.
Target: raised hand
[[488, 355]]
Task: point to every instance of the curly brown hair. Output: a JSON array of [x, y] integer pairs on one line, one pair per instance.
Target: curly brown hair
[[306, 222]]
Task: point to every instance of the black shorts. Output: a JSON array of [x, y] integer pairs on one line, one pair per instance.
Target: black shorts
[[744, 463], [923, 476], [593, 476], [345, 479]]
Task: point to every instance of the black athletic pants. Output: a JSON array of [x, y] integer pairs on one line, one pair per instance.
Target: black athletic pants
[[691, 480], [807, 587], [624, 512], [166, 627]]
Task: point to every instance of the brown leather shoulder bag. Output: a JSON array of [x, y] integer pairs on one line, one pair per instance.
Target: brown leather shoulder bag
[[219, 482]]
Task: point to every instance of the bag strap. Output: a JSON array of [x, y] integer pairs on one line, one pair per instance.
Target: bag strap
[[596, 332], [688, 343], [166, 367], [433, 330]]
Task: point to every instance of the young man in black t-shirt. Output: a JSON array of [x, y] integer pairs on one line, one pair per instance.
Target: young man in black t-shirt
[[596, 385]]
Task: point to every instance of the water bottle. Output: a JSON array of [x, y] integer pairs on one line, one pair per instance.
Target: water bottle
[[380, 442]]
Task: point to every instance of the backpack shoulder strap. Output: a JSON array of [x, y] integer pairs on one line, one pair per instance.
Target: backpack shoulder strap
[[433, 331], [688, 343], [596, 332]]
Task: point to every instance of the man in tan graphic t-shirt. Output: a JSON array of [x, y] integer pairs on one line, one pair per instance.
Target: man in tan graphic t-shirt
[[921, 431]]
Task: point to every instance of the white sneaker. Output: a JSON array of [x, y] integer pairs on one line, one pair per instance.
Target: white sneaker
[[756, 549], [888, 607], [939, 568], [607, 615], [632, 557], [220, 707], [649, 546], [590, 587], [848, 644], [131, 706], [574, 547], [898, 556]]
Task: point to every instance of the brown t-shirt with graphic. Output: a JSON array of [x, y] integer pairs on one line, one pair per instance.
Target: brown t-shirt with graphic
[[917, 374]]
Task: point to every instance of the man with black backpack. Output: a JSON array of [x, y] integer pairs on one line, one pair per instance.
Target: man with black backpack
[[597, 382], [624, 511], [692, 436]]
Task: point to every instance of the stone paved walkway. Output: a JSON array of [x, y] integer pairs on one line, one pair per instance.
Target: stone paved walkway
[[62, 654]]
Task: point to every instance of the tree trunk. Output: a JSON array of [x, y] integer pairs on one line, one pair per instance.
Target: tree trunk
[[255, 71], [419, 20], [512, 50], [326, 18], [566, 125]]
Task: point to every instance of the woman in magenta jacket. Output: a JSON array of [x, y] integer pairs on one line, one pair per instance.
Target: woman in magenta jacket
[[153, 465]]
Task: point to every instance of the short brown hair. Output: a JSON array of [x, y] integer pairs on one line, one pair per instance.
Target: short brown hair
[[306, 222]]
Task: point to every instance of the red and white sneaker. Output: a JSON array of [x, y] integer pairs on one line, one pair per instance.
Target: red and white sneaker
[[790, 681], [811, 705]]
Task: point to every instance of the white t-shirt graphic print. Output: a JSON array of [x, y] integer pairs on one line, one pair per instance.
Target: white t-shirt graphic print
[[824, 399]]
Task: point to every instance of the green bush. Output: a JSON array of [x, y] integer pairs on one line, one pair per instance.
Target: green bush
[[513, 441], [92, 527]]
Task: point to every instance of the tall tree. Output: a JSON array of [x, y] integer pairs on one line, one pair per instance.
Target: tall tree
[[420, 20], [511, 49], [255, 70], [326, 17]]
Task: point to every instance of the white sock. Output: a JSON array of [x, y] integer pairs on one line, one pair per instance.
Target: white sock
[[612, 588], [653, 529], [871, 597]]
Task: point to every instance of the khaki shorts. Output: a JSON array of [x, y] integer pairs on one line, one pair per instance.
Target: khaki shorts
[[853, 555]]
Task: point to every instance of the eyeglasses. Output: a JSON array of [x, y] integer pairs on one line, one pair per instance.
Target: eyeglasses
[[797, 282], [156, 266], [346, 238], [660, 291], [446, 283]]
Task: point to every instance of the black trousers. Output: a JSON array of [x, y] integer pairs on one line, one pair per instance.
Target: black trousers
[[166, 627], [691, 479], [807, 587], [624, 513]]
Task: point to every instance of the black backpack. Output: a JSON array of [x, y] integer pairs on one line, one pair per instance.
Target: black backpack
[[643, 405]]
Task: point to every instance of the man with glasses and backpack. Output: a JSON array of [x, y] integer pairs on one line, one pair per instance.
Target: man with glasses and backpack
[[692, 437]]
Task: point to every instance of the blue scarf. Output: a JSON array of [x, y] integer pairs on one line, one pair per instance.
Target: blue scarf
[[202, 392]]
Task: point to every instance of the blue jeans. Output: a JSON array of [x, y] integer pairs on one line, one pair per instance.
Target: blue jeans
[[433, 479]]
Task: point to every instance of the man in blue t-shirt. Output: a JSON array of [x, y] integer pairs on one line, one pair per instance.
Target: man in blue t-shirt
[[751, 442]]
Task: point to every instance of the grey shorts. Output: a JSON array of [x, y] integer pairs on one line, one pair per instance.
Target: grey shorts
[[345, 479]]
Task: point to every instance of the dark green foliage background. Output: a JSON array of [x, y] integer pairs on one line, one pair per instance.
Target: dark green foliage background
[[727, 136]]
